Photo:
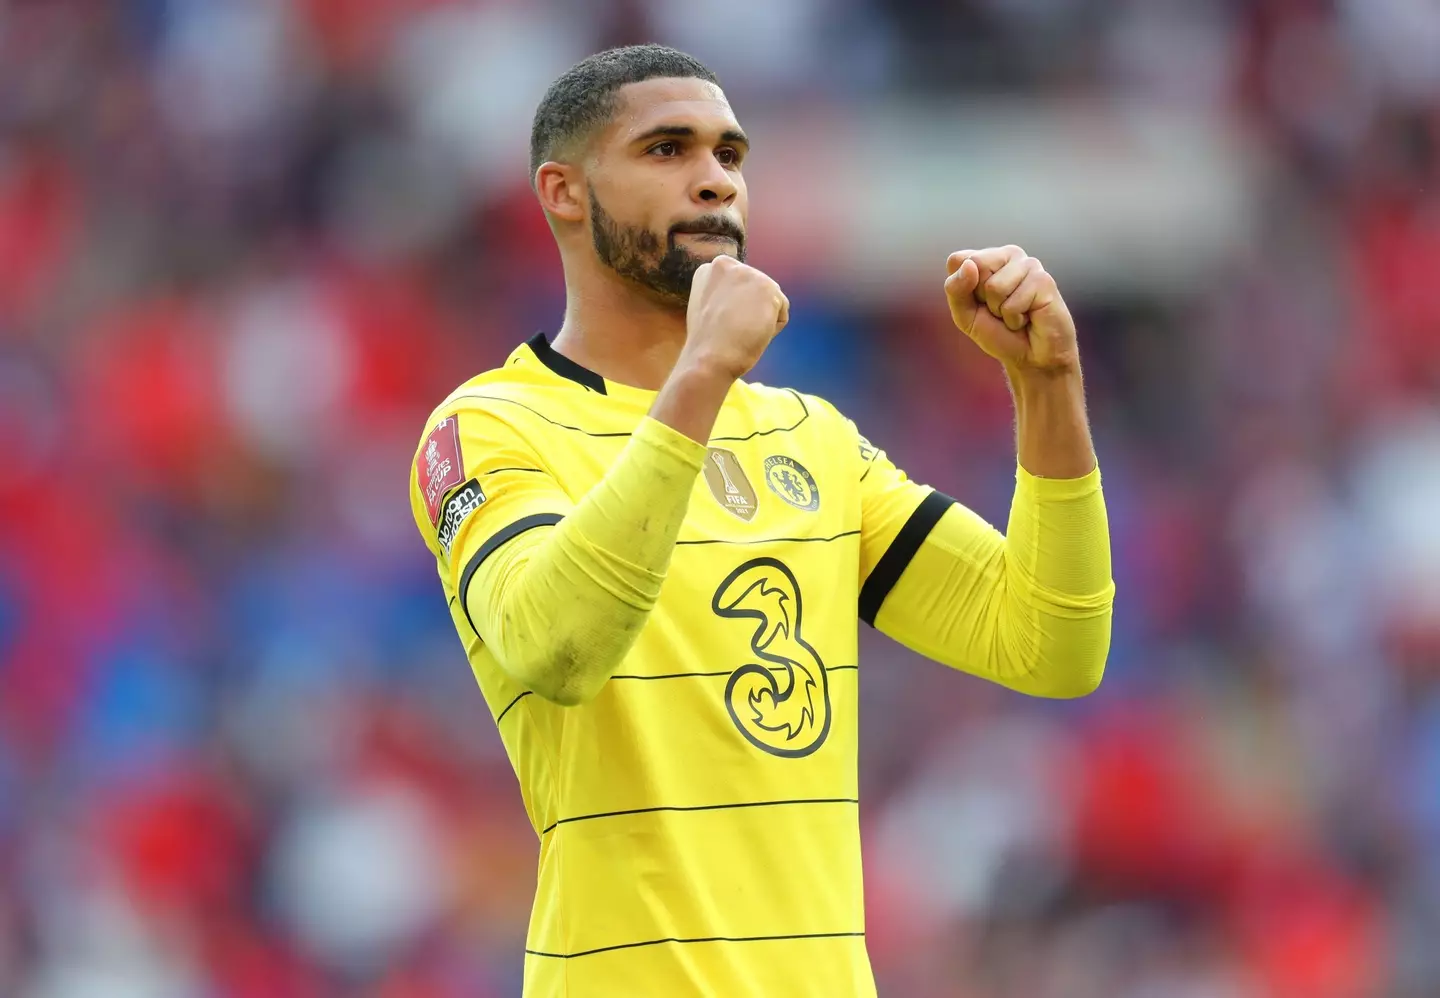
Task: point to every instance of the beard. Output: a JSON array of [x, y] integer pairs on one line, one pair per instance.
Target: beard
[[667, 270]]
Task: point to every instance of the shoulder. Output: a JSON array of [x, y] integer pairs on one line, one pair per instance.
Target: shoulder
[[475, 423], [490, 391], [780, 402], [479, 405], [496, 398]]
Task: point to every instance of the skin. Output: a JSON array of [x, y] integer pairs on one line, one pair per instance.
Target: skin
[[615, 327], [672, 158]]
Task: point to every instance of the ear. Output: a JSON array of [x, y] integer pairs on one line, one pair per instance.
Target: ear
[[561, 190]]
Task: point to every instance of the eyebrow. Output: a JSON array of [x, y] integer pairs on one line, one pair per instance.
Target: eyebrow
[[731, 135]]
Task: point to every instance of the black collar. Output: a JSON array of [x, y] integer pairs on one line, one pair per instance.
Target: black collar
[[563, 365]]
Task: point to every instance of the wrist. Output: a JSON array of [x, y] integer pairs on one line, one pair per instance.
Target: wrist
[[1052, 431], [1028, 381], [703, 370], [691, 398]]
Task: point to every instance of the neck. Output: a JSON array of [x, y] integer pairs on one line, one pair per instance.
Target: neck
[[620, 333]]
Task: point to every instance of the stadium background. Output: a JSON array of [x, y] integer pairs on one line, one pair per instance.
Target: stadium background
[[245, 245]]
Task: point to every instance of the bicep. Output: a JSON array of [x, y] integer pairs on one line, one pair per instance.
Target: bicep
[[964, 602], [896, 516], [933, 575], [949, 603]]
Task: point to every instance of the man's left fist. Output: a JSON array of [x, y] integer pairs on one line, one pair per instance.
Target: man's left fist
[[1007, 303]]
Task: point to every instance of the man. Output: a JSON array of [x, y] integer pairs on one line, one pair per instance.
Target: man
[[658, 569]]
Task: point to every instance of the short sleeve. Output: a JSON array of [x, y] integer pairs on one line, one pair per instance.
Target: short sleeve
[[475, 484], [896, 515]]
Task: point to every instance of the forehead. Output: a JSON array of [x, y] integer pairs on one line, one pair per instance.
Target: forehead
[[643, 106]]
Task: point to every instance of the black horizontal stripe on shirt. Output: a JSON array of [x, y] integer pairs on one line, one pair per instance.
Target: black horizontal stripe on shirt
[[512, 703], [496, 471], [702, 939], [552, 422], [699, 807], [772, 540], [704, 675], [491, 545], [669, 675], [897, 556], [562, 365], [804, 415]]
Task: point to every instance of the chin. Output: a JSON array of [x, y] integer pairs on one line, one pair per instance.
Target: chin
[[707, 251]]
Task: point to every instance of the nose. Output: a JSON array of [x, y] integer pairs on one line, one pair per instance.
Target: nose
[[714, 186]]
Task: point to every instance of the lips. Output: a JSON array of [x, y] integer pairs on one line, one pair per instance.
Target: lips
[[711, 229]]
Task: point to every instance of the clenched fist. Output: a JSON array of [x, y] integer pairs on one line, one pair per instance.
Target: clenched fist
[[734, 313], [1007, 303]]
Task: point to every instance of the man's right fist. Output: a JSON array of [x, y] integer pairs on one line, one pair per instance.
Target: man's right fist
[[734, 313]]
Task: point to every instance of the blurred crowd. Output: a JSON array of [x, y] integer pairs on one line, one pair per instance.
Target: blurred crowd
[[247, 245]]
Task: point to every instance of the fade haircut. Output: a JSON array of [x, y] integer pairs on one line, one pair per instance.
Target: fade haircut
[[586, 97]]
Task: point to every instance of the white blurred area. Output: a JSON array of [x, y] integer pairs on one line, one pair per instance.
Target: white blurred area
[[1096, 184]]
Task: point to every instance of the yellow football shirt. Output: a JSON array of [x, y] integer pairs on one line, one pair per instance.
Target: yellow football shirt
[[698, 820]]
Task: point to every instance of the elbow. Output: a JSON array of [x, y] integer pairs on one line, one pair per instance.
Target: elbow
[[567, 696], [572, 694], [562, 693], [565, 659], [1073, 664], [1064, 657], [572, 668], [566, 676], [1076, 680]]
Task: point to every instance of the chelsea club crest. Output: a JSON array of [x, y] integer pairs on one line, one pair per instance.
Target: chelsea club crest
[[789, 480]]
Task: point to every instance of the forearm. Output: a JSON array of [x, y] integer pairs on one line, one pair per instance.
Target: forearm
[[1051, 429], [560, 608], [1030, 609], [1058, 594]]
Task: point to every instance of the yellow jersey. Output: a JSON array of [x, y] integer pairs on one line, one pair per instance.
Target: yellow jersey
[[698, 820]]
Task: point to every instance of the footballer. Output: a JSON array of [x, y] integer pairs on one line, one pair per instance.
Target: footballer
[[658, 569]]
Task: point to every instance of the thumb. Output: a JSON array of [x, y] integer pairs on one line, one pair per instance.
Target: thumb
[[964, 279], [960, 289]]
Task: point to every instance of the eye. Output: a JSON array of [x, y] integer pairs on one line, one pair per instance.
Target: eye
[[667, 149], [728, 156]]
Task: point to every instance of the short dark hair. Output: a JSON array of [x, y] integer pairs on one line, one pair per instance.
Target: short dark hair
[[584, 98]]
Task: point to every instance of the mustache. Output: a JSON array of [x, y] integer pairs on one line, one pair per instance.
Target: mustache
[[710, 225]]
